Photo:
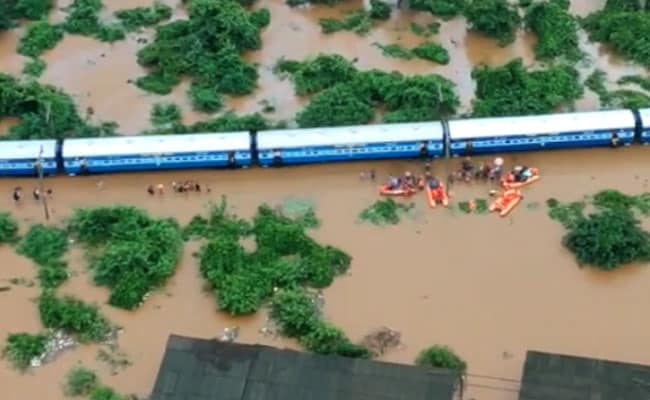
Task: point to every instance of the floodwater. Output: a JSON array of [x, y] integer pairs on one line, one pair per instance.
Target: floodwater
[[99, 75], [490, 288]]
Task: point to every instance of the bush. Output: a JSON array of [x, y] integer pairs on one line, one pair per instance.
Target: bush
[[441, 357], [512, 90], [379, 10], [326, 339], [104, 393], [138, 17], [73, 317], [8, 228], [165, 113], [40, 37], [446, 9], [44, 112], [432, 52], [338, 106], [21, 348], [80, 381], [358, 21], [137, 253], [43, 244], [53, 274], [494, 18], [621, 25], [35, 67], [205, 98], [596, 83], [394, 51], [314, 75], [206, 47], [295, 312], [384, 212], [556, 30], [83, 19], [31, 9], [610, 237]]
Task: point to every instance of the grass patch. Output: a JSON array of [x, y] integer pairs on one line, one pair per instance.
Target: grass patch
[[43, 244], [643, 83], [385, 212], [394, 51], [74, 317], [21, 348], [80, 381], [596, 83], [45, 112], [34, 67], [40, 37], [130, 252], [512, 90], [358, 21], [497, 19], [135, 18], [165, 113], [425, 31], [556, 30], [611, 236], [8, 228]]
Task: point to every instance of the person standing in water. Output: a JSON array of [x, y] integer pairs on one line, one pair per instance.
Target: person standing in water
[[17, 194]]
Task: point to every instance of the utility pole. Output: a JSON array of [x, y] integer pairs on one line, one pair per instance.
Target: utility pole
[[43, 196]]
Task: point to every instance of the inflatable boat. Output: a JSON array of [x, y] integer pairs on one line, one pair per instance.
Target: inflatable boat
[[509, 182], [385, 190], [438, 195], [506, 202]]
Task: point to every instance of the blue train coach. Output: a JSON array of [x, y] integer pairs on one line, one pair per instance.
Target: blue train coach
[[18, 158], [370, 142], [555, 131], [645, 125], [149, 153]]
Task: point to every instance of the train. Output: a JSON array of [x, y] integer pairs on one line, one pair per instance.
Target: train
[[287, 147]]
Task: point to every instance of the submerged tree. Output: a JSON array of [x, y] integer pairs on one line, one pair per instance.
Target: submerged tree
[[495, 18]]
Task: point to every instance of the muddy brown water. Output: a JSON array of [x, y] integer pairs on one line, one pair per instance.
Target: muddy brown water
[[98, 74], [490, 288]]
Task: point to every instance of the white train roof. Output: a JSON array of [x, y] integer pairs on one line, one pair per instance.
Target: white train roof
[[162, 144], [349, 135], [645, 117], [27, 149], [542, 124]]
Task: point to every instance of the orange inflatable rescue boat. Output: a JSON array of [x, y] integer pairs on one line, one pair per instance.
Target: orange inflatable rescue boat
[[403, 190], [509, 182], [437, 195], [506, 202]]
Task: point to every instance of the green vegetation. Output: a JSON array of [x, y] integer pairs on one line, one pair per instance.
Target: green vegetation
[[512, 90], [643, 83], [441, 357], [379, 10], [53, 274], [432, 52], [139, 17], [556, 30], [445, 9], [12, 11], [357, 21], [40, 37], [385, 212], [394, 51], [130, 252], [74, 317], [80, 381], [8, 228], [622, 98], [21, 348], [298, 316], [609, 237], [83, 19], [34, 68], [622, 25], [104, 393], [43, 244], [44, 112], [477, 206], [497, 19], [228, 122], [425, 31], [207, 48], [346, 96], [165, 113], [596, 83]]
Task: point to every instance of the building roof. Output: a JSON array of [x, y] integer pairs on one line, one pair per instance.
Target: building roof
[[199, 369], [561, 377], [158, 144], [462, 129], [349, 135]]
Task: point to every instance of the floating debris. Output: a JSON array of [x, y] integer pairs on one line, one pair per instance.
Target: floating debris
[[229, 334], [116, 360], [382, 340], [58, 343]]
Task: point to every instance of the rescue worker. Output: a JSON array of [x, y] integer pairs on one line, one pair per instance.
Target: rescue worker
[[467, 168], [497, 169], [410, 180], [394, 183]]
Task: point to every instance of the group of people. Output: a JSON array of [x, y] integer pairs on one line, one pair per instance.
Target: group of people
[[178, 187], [492, 171], [36, 193], [411, 182]]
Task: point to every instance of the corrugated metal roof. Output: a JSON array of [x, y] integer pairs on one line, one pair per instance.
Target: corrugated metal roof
[[561, 377], [163, 144], [645, 117], [539, 124], [19, 149], [200, 369], [348, 135]]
